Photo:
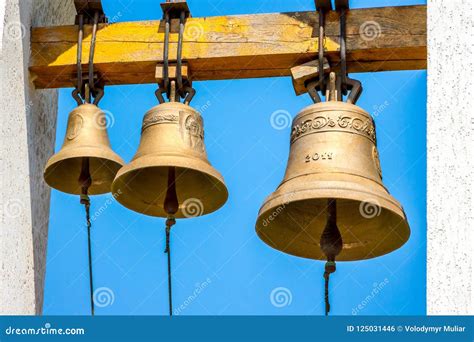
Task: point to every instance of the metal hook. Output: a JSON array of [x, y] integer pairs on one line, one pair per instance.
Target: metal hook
[[313, 88], [190, 91]]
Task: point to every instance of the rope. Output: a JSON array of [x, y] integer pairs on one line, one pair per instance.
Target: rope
[[169, 223], [85, 181], [329, 268], [86, 201], [331, 246]]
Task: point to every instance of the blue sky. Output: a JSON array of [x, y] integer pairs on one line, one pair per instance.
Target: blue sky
[[220, 253]]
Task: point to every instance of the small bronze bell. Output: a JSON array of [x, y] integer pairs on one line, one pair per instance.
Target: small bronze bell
[[333, 166], [172, 143], [86, 137]]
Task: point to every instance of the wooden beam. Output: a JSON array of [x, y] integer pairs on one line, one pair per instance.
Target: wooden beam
[[228, 47]]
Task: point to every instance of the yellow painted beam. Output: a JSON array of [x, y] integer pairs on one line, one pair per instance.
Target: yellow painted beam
[[227, 47]]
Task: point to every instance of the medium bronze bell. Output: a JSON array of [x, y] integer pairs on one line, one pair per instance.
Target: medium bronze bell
[[333, 167], [172, 143], [86, 143]]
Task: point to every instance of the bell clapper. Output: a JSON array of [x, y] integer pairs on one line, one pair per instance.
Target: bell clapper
[[171, 206], [85, 182], [331, 245]]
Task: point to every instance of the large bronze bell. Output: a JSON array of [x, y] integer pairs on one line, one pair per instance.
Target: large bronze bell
[[172, 151], [86, 144], [333, 167]]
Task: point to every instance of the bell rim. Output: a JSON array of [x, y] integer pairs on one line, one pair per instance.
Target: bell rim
[[321, 257], [105, 154], [318, 255], [266, 209], [164, 161]]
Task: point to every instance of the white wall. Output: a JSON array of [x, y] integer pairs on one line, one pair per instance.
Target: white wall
[[27, 126], [450, 158]]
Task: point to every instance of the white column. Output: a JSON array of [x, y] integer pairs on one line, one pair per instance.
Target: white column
[[450, 123], [27, 126]]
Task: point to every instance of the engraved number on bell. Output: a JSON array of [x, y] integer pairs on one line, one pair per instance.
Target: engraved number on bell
[[318, 156]]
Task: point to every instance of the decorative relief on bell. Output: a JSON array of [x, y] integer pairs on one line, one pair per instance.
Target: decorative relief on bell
[[193, 133], [360, 125], [154, 118], [322, 123], [307, 126], [375, 157], [75, 125]]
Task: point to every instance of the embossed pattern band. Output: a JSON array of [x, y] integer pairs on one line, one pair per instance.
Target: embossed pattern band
[[318, 123]]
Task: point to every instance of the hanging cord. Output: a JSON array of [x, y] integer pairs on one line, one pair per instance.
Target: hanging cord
[[171, 206], [85, 182], [170, 221], [331, 245]]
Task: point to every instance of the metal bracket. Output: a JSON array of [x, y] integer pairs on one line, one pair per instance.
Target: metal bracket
[[324, 5], [342, 4], [175, 7], [87, 8], [97, 93], [165, 77]]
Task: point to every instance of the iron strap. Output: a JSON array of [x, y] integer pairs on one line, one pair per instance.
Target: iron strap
[[84, 91], [345, 84], [177, 9]]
